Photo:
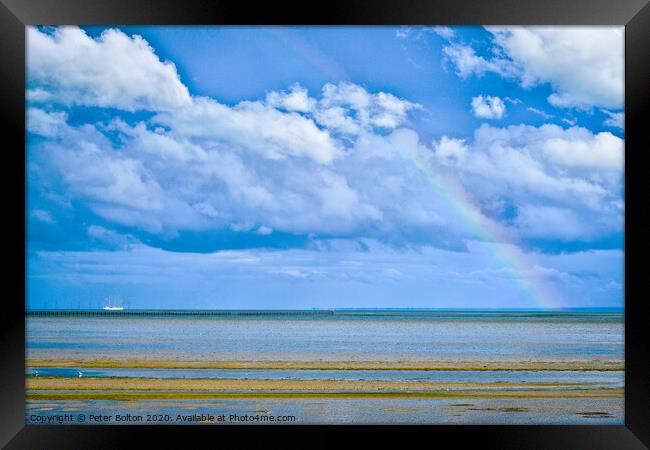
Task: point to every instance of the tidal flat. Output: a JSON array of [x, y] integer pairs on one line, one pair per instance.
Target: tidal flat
[[344, 410], [394, 368]]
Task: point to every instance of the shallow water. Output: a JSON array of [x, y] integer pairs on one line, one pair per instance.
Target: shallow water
[[607, 411], [391, 337], [608, 379], [361, 337]]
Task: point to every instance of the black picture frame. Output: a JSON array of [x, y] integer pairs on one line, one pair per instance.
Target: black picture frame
[[633, 14]]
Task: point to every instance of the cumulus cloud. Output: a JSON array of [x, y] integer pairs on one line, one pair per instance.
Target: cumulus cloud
[[614, 119], [450, 150], [163, 181], [297, 99], [572, 177], [584, 65], [468, 63], [254, 126], [302, 126], [488, 107], [44, 123], [114, 70], [600, 151], [348, 108], [339, 163], [550, 222]]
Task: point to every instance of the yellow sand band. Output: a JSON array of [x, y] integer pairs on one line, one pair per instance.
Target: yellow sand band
[[604, 365], [220, 384]]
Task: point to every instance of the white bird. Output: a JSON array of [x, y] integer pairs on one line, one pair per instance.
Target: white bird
[[80, 374]]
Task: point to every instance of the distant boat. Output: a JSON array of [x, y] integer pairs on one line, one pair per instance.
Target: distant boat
[[113, 304], [113, 308]]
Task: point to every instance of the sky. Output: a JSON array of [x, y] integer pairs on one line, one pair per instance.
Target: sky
[[325, 167]]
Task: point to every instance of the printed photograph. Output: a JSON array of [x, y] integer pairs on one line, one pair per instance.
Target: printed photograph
[[281, 225]]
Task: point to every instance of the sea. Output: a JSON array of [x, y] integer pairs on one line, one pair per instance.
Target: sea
[[389, 339]]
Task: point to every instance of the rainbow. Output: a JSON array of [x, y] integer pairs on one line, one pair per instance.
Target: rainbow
[[497, 242], [307, 53], [494, 238]]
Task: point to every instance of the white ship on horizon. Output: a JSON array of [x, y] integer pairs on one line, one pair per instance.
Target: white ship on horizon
[[113, 308], [114, 304]]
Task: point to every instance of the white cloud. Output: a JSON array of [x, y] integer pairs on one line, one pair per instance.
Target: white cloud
[[113, 70], [339, 164], [600, 151], [378, 271], [338, 119], [43, 123], [345, 109], [450, 150], [264, 230], [419, 32], [403, 33], [163, 181], [348, 108], [584, 65], [444, 32], [544, 114], [550, 223], [488, 107], [521, 174], [43, 216], [297, 99], [254, 126], [614, 119], [110, 238], [468, 63]]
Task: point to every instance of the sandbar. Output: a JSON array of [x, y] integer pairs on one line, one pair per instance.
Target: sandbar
[[229, 384], [581, 365]]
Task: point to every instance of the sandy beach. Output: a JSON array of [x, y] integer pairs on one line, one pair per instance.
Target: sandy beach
[[593, 364], [59, 383]]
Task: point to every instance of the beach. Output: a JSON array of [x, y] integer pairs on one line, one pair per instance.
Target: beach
[[351, 368]]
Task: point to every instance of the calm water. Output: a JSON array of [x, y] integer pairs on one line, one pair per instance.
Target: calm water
[[599, 378], [340, 337], [344, 336]]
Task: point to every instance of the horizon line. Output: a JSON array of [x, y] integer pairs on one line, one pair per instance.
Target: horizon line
[[622, 308]]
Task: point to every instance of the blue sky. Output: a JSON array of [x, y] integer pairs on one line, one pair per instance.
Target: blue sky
[[324, 167]]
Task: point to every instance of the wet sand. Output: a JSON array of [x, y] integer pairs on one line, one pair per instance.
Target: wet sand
[[211, 384], [345, 410], [412, 368], [583, 365], [196, 395]]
